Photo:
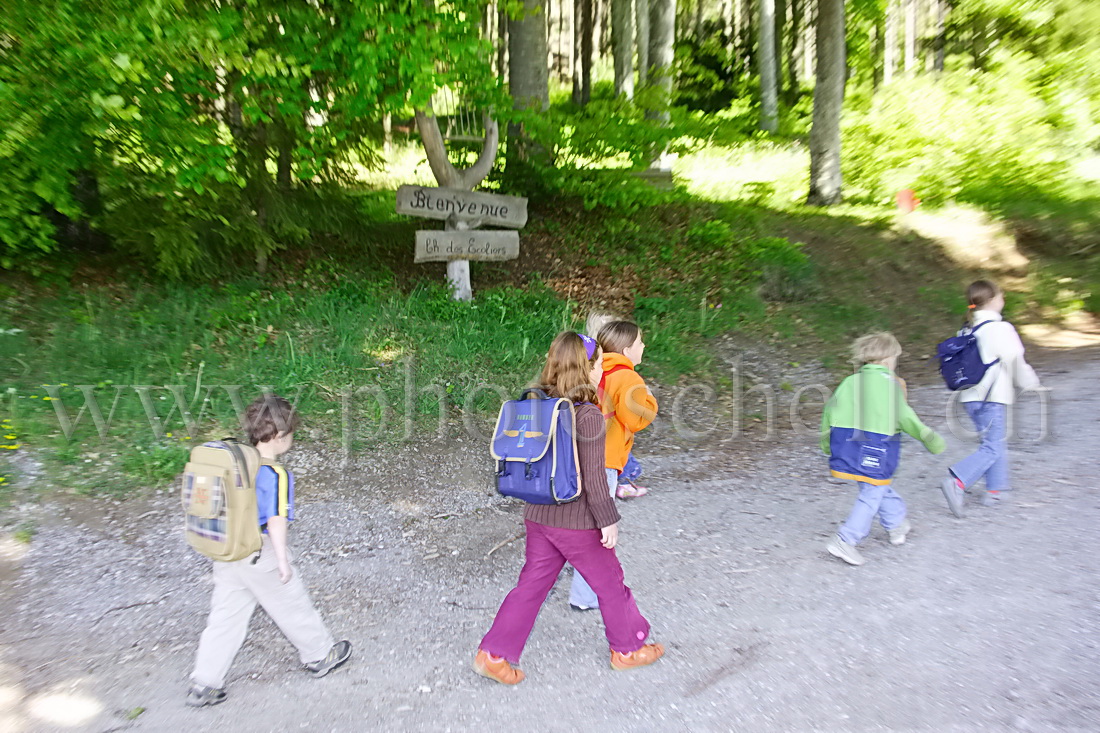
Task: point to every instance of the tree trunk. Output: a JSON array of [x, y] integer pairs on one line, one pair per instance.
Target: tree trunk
[[588, 44], [910, 36], [622, 36], [941, 35], [502, 44], [825, 177], [283, 179], [729, 24], [747, 38], [527, 69], [780, 31], [890, 43], [527, 57], [641, 13], [603, 18], [662, 38], [387, 136], [769, 103], [809, 43], [699, 20], [794, 50], [582, 80]]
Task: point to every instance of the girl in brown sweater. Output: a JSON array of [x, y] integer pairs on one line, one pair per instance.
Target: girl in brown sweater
[[582, 533]]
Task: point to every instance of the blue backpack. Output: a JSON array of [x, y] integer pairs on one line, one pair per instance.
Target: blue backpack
[[961, 364], [535, 450]]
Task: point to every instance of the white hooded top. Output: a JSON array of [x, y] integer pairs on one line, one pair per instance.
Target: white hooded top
[[999, 340]]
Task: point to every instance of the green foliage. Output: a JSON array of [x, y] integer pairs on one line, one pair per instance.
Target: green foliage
[[178, 128], [963, 136], [708, 77]]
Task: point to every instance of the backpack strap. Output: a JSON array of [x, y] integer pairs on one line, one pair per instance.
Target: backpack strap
[[990, 365]]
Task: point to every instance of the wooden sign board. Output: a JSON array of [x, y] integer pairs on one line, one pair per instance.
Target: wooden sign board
[[441, 203], [440, 246]]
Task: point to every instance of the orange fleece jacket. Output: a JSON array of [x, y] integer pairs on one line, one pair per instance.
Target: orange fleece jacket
[[627, 406]]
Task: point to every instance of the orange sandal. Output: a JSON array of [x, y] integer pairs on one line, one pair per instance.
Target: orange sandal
[[497, 669], [648, 654]]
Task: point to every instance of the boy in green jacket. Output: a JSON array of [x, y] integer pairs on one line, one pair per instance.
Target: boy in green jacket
[[861, 433]]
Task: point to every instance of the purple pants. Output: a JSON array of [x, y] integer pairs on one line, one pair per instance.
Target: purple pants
[[548, 549]]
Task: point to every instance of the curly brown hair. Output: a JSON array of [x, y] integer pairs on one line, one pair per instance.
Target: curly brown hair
[[268, 417], [567, 367]]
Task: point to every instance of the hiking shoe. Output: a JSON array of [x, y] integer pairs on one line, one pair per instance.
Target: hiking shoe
[[337, 655], [630, 490], [497, 669], [200, 696], [648, 654], [848, 553], [992, 498], [580, 607], [898, 533], [954, 495]]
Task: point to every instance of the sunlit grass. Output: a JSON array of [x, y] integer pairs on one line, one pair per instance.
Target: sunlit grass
[[770, 174]]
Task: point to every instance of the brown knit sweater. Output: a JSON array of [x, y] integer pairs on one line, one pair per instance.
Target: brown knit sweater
[[595, 508]]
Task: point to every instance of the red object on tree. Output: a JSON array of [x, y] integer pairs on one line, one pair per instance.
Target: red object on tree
[[907, 200]]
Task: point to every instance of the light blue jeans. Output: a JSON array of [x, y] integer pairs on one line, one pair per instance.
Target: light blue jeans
[[580, 594], [991, 458], [881, 501]]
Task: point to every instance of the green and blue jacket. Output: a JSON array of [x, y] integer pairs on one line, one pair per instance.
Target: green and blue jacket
[[862, 425]]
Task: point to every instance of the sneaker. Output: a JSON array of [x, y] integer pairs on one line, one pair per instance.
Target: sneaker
[[954, 495], [848, 553], [337, 655], [992, 498], [648, 654], [630, 490], [200, 696], [898, 533], [582, 607], [497, 669]]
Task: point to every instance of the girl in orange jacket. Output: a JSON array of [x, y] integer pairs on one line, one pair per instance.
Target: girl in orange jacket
[[628, 406]]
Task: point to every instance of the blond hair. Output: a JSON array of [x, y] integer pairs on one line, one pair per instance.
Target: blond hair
[[567, 369], [617, 336], [597, 321], [875, 347]]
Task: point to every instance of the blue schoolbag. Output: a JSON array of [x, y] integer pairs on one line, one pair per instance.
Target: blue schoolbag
[[535, 449], [961, 364]]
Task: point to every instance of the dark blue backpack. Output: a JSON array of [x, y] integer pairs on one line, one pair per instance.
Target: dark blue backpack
[[535, 450], [961, 364]]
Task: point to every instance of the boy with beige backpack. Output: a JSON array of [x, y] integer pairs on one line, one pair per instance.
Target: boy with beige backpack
[[239, 503]]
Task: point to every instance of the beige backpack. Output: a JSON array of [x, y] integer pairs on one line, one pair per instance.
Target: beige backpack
[[219, 500]]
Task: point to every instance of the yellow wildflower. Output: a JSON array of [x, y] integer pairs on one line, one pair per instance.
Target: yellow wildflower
[[10, 437], [9, 447]]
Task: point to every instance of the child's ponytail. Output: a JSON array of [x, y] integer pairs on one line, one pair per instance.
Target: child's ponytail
[[978, 295]]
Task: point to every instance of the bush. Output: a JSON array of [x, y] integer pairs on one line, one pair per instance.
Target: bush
[[967, 136]]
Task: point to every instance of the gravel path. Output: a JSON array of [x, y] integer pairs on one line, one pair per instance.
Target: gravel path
[[986, 623]]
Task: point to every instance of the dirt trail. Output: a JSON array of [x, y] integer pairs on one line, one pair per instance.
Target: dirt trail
[[986, 623]]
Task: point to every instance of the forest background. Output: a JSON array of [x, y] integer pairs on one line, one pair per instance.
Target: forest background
[[203, 194]]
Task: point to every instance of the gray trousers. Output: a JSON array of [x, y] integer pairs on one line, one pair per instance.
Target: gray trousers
[[238, 587]]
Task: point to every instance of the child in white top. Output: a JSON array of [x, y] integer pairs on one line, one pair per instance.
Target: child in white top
[[987, 402]]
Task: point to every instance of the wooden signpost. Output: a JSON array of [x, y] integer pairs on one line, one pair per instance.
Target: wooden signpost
[[441, 246], [441, 203], [463, 212]]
